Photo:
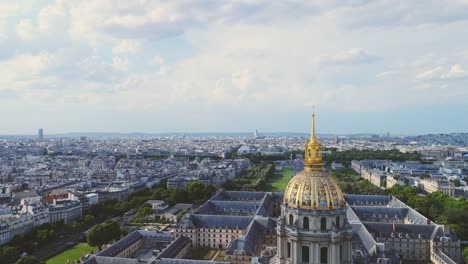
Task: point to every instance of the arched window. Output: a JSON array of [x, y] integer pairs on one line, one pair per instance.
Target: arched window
[[291, 219], [305, 223], [337, 222], [323, 224]]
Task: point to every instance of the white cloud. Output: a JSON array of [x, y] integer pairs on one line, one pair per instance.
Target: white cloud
[[23, 73], [25, 30], [455, 72], [158, 60], [175, 56], [351, 56], [53, 17], [430, 74], [120, 64], [242, 79], [127, 46], [28, 64], [386, 74]]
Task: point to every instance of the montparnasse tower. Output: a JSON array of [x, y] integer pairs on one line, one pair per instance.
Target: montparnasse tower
[[313, 226]]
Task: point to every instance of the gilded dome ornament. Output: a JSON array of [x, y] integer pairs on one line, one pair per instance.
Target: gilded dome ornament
[[313, 188]]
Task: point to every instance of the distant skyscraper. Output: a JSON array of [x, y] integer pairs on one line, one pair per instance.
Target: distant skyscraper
[[257, 135], [40, 134]]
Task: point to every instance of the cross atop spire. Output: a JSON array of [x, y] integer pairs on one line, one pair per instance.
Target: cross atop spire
[[312, 135]]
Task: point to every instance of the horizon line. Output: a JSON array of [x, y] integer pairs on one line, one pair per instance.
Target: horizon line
[[226, 133]]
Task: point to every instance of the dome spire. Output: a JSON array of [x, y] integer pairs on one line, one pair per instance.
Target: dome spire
[[313, 150], [312, 135]]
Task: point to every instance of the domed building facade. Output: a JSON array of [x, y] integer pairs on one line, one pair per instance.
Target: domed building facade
[[313, 227]]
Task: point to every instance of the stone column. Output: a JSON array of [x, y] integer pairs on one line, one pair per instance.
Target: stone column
[[311, 253], [331, 249], [298, 252], [294, 252], [346, 252], [337, 253], [316, 253], [280, 248]]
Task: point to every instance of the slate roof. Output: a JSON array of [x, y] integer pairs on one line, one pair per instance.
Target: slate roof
[[405, 230], [228, 208], [267, 202], [174, 248], [378, 200], [238, 196], [189, 261], [366, 212], [214, 221], [255, 234], [124, 243]]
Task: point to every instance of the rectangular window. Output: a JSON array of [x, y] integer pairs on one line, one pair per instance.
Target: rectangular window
[[305, 254], [340, 254], [324, 255]]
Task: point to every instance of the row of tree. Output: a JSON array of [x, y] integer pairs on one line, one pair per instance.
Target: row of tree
[[195, 192], [100, 234], [104, 233], [350, 182], [345, 157], [42, 235], [254, 178]]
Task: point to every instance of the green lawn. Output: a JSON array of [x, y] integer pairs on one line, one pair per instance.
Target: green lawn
[[221, 255], [280, 180], [210, 254], [72, 254]]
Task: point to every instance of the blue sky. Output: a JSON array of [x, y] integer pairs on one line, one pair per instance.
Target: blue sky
[[232, 66]]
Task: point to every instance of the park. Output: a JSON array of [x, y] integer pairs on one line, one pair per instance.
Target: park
[[279, 180]]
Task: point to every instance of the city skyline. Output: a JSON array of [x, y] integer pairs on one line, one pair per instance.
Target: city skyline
[[222, 66]]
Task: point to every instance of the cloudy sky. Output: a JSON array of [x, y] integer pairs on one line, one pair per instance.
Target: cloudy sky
[[232, 66]]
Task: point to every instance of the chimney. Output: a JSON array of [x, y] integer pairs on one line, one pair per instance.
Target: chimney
[[394, 227]]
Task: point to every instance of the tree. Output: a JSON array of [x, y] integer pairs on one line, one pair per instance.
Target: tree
[[178, 196], [8, 254], [45, 235], [424, 176], [88, 219], [465, 254], [143, 212], [28, 260], [195, 190], [103, 233]]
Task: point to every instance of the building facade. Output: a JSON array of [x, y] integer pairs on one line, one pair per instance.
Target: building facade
[[313, 227]]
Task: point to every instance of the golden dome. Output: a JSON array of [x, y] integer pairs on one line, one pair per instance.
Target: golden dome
[[313, 188]]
